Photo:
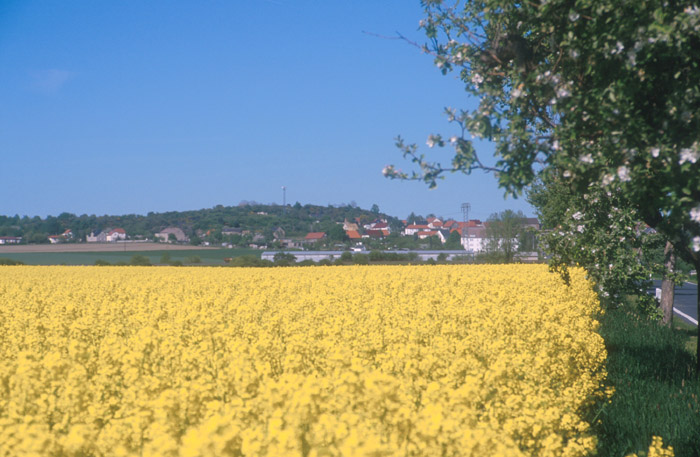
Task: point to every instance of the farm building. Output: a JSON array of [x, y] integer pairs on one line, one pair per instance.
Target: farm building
[[164, 235]]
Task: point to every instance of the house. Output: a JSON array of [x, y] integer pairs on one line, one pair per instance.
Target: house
[[347, 225], [10, 239], [62, 238], [313, 237], [115, 235], [531, 222], [290, 243], [443, 234], [434, 223], [178, 234], [448, 224], [377, 233], [278, 233], [99, 237], [414, 228], [473, 237], [423, 234], [106, 236], [353, 234]]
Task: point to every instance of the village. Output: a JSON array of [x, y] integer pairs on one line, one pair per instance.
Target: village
[[432, 233]]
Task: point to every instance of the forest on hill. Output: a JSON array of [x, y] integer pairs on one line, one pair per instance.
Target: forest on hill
[[295, 220]]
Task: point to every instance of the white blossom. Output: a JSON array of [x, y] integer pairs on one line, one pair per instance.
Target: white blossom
[[388, 170], [573, 16], [696, 244], [577, 215], [567, 174], [555, 145], [579, 228], [516, 93], [695, 214], [586, 158], [431, 140], [477, 79], [574, 54], [624, 173], [453, 139], [563, 92], [692, 10], [608, 179], [688, 155], [619, 47], [655, 152]]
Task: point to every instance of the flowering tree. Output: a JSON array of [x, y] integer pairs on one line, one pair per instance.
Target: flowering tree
[[600, 231], [606, 92]]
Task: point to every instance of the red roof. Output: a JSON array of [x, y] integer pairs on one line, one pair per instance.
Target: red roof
[[380, 225], [118, 230], [353, 234], [471, 223], [427, 233], [417, 226], [315, 235], [377, 233]]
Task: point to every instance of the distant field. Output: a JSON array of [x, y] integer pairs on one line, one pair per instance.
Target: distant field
[[87, 254], [96, 247]]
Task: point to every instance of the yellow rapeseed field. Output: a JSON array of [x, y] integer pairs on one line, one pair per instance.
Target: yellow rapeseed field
[[319, 361]]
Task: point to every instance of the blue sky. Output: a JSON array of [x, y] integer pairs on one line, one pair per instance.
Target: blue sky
[[132, 106]]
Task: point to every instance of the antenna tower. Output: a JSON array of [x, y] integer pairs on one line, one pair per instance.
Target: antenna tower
[[465, 218], [284, 197]]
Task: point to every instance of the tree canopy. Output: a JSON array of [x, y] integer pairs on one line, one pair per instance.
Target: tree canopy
[[503, 232], [598, 92]]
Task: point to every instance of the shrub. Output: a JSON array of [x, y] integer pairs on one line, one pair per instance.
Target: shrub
[[6, 261], [140, 260]]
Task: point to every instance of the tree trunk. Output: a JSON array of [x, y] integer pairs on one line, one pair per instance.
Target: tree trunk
[[667, 285]]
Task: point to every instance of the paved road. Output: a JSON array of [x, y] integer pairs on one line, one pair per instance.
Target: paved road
[[685, 301]]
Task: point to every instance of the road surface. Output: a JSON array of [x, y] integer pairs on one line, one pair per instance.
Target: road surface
[[685, 301]]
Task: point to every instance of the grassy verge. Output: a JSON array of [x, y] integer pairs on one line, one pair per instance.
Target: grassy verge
[[657, 391]]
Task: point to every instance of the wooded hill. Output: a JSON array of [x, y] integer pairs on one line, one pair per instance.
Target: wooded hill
[[296, 220]]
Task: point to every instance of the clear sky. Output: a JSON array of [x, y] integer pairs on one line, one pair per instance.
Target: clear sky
[[133, 106]]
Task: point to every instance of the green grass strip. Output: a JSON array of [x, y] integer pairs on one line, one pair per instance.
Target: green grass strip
[[657, 392]]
